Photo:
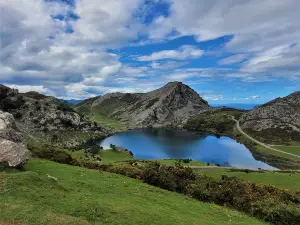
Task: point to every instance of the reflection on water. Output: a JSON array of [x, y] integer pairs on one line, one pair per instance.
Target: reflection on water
[[176, 144]]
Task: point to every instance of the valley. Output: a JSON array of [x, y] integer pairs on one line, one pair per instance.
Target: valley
[[169, 138]]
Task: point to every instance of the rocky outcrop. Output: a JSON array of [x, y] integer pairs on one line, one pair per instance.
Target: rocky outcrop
[[170, 105], [43, 113], [274, 118], [13, 151]]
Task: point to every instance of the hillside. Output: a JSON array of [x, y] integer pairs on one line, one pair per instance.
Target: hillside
[[168, 106], [47, 118], [277, 121], [82, 196]]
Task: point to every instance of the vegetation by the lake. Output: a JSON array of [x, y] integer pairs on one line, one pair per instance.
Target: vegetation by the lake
[[280, 179], [278, 206], [273, 158], [55, 194], [185, 162], [217, 121]]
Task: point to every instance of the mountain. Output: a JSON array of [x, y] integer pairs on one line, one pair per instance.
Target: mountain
[[276, 120], [46, 117], [168, 106]]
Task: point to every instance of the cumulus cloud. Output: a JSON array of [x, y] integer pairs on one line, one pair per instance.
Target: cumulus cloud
[[27, 88], [261, 28], [36, 48], [76, 49], [232, 59], [183, 53]]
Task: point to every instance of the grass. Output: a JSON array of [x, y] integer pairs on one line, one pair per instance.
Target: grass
[[110, 156], [82, 196], [290, 149], [172, 162], [263, 149], [278, 179], [107, 156], [107, 122]]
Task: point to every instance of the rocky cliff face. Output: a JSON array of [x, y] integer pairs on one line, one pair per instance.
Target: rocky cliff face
[[42, 112], [276, 117], [168, 106], [13, 151]]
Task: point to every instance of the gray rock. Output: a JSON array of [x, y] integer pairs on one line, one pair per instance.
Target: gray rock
[[13, 151], [170, 105], [281, 113]]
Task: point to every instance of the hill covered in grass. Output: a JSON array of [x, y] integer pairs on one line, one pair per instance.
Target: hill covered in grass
[[52, 193]]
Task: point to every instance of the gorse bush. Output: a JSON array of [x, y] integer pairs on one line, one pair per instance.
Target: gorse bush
[[280, 207]]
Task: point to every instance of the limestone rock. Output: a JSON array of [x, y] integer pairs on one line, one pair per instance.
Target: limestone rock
[[13, 151], [170, 105], [278, 117]]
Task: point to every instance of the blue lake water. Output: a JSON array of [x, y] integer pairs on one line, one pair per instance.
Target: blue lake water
[[177, 144]]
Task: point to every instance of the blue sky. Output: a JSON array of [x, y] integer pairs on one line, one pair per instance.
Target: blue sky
[[244, 51]]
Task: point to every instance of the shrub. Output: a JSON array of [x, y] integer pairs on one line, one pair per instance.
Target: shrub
[[187, 160], [280, 207]]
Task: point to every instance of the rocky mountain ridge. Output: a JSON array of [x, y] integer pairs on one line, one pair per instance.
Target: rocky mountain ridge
[[279, 117], [170, 105], [43, 112]]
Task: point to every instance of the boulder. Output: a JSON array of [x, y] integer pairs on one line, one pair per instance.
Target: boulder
[[13, 150]]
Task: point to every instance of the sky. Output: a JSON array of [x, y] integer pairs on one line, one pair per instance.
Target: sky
[[229, 51]]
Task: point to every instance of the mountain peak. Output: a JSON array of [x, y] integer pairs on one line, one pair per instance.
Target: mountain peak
[[170, 105]]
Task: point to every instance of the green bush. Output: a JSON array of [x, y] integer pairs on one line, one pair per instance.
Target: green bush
[[280, 207]]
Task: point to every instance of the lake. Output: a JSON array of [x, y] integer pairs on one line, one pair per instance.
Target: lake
[[178, 144]]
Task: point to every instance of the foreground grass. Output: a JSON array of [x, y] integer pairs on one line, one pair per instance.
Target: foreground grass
[[82, 196], [278, 179]]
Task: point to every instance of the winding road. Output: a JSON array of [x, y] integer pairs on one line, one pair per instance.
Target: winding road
[[258, 142]]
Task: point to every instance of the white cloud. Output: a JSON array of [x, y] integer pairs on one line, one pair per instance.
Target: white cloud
[[218, 97], [183, 53], [258, 27], [106, 22], [27, 88], [255, 97], [35, 49], [167, 65], [232, 59]]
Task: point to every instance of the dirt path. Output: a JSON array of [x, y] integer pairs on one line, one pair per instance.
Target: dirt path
[[258, 142]]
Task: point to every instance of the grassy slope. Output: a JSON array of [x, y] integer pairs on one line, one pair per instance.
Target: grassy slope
[[290, 149], [278, 179], [106, 122], [98, 115], [83, 196]]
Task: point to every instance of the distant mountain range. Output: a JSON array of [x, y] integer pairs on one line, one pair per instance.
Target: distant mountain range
[[171, 105]]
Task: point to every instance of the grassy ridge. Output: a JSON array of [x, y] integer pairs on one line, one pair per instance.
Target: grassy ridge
[[82, 196]]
